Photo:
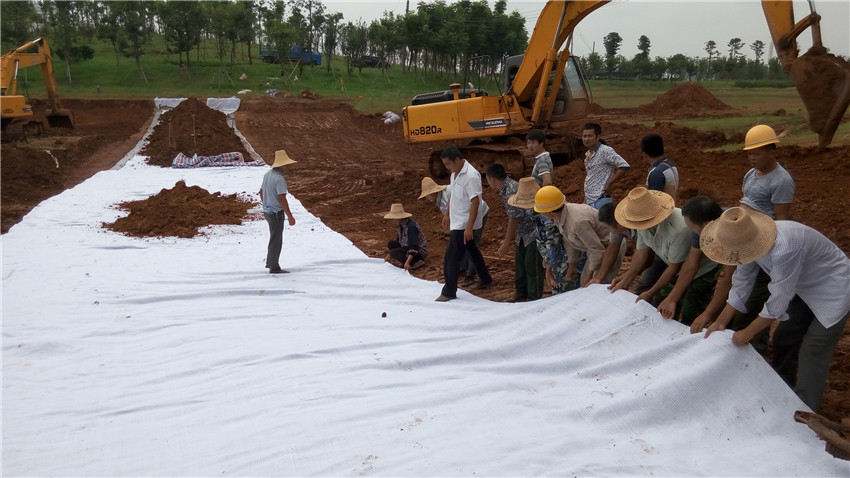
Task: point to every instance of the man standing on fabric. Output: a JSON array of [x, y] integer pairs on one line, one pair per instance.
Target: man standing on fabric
[[442, 195], [809, 285], [663, 173], [661, 229], [522, 232], [273, 195], [464, 202], [543, 170], [603, 167], [581, 231]]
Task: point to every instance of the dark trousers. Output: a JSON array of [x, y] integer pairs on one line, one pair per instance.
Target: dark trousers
[[467, 266], [529, 271], [276, 221], [400, 253], [455, 250]]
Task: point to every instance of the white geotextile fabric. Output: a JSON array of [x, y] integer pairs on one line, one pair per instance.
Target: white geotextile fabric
[[127, 356]]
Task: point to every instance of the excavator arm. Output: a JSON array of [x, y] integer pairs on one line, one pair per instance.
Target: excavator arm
[[34, 53]]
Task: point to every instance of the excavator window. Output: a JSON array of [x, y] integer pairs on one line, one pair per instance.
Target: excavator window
[[575, 80]]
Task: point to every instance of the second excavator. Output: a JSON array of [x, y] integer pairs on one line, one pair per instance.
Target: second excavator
[[546, 86]]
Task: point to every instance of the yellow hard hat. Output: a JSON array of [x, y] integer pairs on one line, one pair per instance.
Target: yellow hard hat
[[760, 135], [548, 198]]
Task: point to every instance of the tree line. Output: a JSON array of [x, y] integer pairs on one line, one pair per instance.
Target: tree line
[[433, 37], [720, 63]]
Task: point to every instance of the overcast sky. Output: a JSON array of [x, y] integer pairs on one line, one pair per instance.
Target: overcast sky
[[681, 26]]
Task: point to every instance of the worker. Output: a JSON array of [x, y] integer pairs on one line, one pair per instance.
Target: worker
[[463, 211], [581, 231], [275, 206], [663, 173], [615, 250], [692, 293], [522, 233], [661, 229], [809, 284], [549, 242], [767, 187], [602, 165], [409, 249], [441, 198], [543, 170]]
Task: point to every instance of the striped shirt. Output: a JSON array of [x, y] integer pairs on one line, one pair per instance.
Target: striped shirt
[[664, 176], [600, 166], [801, 262]]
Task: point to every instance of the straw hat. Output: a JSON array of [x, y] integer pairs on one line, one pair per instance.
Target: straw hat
[[740, 235], [397, 212], [429, 187], [643, 208], [282, 159], [524, 197], [760, 135]]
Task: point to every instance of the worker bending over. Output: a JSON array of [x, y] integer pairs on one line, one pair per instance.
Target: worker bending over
[[409, 249]]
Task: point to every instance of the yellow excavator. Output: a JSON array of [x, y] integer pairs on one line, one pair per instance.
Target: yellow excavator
[[14, 107], [490, 126]]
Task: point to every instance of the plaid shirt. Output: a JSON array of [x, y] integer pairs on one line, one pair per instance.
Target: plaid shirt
[[525, 229]]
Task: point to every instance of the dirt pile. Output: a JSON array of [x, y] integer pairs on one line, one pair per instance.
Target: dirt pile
[[180, 211], [820, 79], [684, 98], [191, 128], [104, 131]]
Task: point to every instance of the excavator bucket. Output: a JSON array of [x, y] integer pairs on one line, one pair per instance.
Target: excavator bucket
[[61, 119], [823, 81]]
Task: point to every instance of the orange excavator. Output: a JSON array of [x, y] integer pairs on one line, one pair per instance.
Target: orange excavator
[[14, 106], [546, 86]]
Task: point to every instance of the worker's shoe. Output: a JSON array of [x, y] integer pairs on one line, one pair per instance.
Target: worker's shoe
[[519, 298], [278, 271], [443, 298]]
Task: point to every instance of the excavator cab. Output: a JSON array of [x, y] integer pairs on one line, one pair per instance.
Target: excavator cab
[[573, 98]]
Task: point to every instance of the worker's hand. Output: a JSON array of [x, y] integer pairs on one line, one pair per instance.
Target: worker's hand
[[504, 248], [550, 278], [742, 337], [407, 263], [773, 326], [701, 322], [593, 280], [716, 326], [445, 221], [667, 308], [467, 235], [291, 220], [646, 295], [617, 284]]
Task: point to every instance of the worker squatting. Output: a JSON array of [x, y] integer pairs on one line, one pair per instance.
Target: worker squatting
[[748, 268]]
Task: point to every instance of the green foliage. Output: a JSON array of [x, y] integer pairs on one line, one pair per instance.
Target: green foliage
[[764, 84], [17, 23]]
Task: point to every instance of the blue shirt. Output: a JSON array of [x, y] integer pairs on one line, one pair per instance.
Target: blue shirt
[[274, 184]]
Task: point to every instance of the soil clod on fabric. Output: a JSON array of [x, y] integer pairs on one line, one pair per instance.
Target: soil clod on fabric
[[180, 211], [191, 128], [685, 98]]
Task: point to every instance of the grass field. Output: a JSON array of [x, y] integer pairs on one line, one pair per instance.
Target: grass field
[[373, 90]]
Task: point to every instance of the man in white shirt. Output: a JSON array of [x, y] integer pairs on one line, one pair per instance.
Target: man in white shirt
[[463, 212], [801, 262]]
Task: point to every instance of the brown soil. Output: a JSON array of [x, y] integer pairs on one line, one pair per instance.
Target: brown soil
[[684, 98], [105, 130], [820, 79], [191, 128], [352, 166], [180, 211]]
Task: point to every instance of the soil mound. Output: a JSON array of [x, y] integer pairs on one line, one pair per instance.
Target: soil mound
[[191, 128], [684, 98], [820, 79], [180, 211]]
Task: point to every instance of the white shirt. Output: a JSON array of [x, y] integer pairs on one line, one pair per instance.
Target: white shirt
[[445, 195], [464, 186], [801, 262]]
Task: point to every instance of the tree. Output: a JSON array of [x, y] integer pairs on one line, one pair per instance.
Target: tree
[[62, 24], [17, 20], [612, 42], [644, 45], [183, 23], [355, 41], [595, 65], [758, 49], [132, 18], [331, 37], [711, 49], [735, 45]]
